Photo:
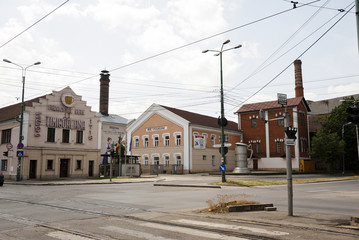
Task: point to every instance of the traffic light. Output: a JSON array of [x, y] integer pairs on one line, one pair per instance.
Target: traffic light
[[291, 131], [353, 115], [5, 153]]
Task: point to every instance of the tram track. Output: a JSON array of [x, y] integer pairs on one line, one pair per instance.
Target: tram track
[[134, 218]]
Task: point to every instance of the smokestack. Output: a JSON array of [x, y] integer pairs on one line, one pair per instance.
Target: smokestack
[[104, 91], [298, 78]]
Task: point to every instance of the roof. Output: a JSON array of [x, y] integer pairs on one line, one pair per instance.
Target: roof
[[200, 119], [14, 110], [291, 102], [112, 118]]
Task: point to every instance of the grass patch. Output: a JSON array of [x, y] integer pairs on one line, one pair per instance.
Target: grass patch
[[255, 182], [220, 204]]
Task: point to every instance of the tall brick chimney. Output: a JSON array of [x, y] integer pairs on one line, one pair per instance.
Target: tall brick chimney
[[298, 78], [104, 91]]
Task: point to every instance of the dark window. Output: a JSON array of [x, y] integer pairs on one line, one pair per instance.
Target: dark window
[[204, 157], [6, 136], [257, 148], [50, 164], [302, 119], [280, 122], [254, 122], [226, 138], [278, 147], [65, 135], [79, 136], [51, 134], [3, 165], [78, 164]]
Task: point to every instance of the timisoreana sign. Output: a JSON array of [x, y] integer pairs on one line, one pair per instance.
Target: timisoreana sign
[[66, 123]]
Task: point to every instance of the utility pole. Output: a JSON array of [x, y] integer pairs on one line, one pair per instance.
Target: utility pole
[[289, 166], [357, 19]]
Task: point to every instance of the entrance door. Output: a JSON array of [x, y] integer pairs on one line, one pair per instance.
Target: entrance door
[[64, 167], [91, 163], [32, 173]]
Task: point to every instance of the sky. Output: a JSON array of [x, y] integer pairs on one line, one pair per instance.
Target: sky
[[153, 51]]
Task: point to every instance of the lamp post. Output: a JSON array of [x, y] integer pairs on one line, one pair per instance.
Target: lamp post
[[222, 121], [23, 69]]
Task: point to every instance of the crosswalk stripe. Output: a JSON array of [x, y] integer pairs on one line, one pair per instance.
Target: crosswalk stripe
[[193, 232], [134, 233], [231, 227], [66, 236]]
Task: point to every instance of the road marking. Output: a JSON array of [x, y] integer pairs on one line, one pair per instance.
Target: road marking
[[193, 232], [134, 233], [231, 227], [66, 236]]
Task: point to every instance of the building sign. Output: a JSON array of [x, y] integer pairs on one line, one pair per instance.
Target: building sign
[[156, 129], [37, 124], [68, 100], [199, 142], [282, 98], [66, 123]]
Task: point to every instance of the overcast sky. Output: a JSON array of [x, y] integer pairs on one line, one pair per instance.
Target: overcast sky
[[153, 50]]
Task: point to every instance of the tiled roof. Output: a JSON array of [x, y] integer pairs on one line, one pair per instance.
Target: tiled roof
[[291, 102], [13, 111], [200, 119]]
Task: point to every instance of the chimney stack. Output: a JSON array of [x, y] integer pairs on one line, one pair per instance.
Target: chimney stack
[[104, 91], [298, 78]]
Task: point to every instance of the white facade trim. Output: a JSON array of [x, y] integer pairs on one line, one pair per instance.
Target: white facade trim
[[267, 135], [295, 124]]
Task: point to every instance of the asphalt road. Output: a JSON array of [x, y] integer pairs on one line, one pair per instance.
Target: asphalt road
[[144, 211]]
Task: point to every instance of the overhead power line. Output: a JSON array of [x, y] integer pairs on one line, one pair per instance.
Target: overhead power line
[[34, 23], [304, 52]]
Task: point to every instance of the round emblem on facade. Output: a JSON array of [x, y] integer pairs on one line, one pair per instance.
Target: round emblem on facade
[[68, 100]]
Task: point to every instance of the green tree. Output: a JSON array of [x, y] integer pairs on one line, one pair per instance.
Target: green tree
[[331, 132], [328, 147]]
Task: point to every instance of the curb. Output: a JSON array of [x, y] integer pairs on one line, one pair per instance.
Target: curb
[[185, 185]]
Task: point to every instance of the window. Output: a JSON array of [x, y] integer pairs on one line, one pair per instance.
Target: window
[[167, 160], [257, 148], [213, 160], [204, 157], [213, 139], [50, 164], [280, 122], [302, 119], [137, 142], [145, 142], [79, 136], [51, 135], [178, 160], [155, 140], [178, 140], [6, 136], [167, 140], [3, 165], [156, 160], [65, 135], [78, 164], [254, 122], [145, 160], [278, 147], [226, 138]]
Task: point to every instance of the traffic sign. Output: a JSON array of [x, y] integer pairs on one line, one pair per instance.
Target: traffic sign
[[9, 146], [222, 168], [225, 150], [290, 142], [20, 146], [19, 153]]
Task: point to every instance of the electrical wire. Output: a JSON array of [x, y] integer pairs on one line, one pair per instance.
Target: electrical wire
[[26, 29]]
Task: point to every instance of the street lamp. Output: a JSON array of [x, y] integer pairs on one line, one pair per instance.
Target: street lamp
[[18, 169], [223, 121]]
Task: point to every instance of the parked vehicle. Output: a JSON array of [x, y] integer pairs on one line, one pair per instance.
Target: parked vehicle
[[1, 179]]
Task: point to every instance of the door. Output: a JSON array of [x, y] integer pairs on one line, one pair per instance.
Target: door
[[64, 167], [91, 164], [32, 173]]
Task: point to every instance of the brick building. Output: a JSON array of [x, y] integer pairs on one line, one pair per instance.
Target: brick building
[[267, 137]]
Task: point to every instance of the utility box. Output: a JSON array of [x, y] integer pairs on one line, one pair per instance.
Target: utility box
[[306, 165]]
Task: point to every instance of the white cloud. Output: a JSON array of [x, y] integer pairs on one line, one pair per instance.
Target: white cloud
[[343, 90]]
